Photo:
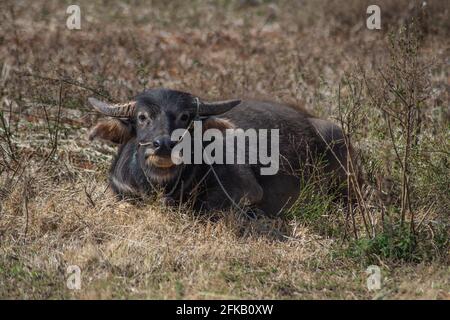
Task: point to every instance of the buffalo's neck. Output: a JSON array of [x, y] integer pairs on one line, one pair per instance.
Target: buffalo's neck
[[182, 185]]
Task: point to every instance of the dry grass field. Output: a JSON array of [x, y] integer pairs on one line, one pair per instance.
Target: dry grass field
[[389, 88]]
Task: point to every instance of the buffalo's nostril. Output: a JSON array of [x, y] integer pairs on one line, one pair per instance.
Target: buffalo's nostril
[[172, 144], [156, 143], [162, 145]]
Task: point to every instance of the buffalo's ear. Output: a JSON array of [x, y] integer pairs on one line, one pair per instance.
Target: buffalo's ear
[[217, 123], [113, 130]]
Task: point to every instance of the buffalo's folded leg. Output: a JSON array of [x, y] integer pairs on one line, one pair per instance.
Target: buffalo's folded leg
[[237, 189], [167, 201]]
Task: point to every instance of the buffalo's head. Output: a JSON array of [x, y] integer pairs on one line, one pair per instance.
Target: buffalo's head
[[150, 119]]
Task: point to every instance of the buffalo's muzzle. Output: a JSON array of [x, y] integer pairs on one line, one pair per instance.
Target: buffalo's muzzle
[[160, 161], [163, 145]]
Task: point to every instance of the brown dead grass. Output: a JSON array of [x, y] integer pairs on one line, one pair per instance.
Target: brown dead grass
[[60, 212], [125, 251]]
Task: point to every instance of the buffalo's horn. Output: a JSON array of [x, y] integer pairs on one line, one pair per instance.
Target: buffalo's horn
[[215, 108], [122, 110]]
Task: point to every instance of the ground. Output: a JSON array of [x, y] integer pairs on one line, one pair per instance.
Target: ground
[[57, 210]]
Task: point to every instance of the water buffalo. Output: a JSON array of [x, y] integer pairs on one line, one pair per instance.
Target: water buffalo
[[143, 165]]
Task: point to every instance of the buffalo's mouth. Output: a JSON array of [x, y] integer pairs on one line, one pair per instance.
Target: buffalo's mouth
[[162, 162], [161, 169]]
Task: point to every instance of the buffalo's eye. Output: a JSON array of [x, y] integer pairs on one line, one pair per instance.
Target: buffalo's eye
[[184, 117], [142, 117]]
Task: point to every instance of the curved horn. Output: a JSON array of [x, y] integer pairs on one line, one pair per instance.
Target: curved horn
[[215, 108], [123, 110]]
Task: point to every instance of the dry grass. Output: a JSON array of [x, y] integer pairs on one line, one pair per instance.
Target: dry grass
[[56, 209]]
